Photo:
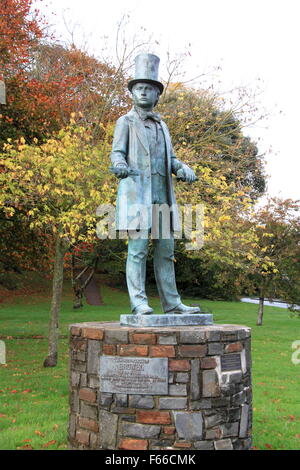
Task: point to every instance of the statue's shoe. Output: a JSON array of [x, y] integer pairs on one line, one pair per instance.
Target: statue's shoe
[[181, 309], [143, 309]]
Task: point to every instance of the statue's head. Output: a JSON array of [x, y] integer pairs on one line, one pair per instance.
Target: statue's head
[[146, 81], [145, 95]]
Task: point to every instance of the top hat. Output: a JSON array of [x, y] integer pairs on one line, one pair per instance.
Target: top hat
[[146, 71]]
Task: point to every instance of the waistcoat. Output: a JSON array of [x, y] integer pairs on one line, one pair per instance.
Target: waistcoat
[[157, 147]]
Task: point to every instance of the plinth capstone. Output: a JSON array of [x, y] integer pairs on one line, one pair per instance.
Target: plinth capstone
[[172, 387]]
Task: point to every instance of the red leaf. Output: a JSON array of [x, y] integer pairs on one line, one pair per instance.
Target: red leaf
[[50, 443], [26, 447]]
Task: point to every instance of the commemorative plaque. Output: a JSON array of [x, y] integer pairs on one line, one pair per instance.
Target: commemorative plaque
[[231, 362], [134, 375], [2, 92]]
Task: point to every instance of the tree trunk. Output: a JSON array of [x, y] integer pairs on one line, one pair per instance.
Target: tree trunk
[[260, 309], [57, 284], [92, 291]]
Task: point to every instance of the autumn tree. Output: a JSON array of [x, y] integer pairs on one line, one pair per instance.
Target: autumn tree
[[61, 80], [46, 82], [275, 272], [212, 135], [20, 29], [59, 185], [22, 249], [99, 86]]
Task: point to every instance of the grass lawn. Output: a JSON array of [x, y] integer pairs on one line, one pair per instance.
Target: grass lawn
[[34, 400]]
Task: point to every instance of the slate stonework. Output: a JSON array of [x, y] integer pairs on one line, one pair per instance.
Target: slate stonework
[[205, 408]]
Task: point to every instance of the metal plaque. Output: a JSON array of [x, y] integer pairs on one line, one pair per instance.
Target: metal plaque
[[2, 92], [134, 375], [231, 362]]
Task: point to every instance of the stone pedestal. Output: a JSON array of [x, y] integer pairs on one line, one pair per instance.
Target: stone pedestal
[[173, 387]]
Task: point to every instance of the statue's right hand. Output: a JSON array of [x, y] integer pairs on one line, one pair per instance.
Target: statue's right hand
[[121, 171]]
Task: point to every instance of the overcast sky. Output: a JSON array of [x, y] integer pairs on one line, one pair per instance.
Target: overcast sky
[[255, 42]]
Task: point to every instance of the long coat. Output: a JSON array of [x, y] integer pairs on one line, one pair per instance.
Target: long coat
[[130, 146]]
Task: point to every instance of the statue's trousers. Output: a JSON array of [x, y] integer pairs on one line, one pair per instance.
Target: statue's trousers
[[163, 256]]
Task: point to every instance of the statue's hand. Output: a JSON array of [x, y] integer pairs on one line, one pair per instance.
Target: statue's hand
[[186, 174], [121, 171]]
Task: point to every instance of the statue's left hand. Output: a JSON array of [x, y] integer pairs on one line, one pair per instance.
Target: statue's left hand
[[186, 174]]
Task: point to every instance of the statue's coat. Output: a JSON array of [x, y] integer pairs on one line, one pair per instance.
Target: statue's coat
[[130, 146]]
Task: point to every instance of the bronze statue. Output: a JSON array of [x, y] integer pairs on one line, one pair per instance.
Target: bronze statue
[[143, 158]]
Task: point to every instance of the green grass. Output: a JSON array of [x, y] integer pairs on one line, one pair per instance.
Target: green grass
[[34, 400]]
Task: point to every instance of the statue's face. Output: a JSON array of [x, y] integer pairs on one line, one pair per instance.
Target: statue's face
[[145, 95]]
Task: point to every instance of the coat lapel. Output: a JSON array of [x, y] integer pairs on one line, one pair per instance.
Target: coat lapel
[[139, 129], [168, 145]]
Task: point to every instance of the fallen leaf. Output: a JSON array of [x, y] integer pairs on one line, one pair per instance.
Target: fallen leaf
[[27, 440], [26, 447], [297, 436], [39, 433], [50, 443], [55, 427], [269, 446], [28, 390], [13, 391]]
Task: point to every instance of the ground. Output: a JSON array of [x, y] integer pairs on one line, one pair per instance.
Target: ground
[[34, 400]]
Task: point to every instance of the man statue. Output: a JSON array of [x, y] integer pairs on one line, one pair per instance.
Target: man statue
[[143, 158]]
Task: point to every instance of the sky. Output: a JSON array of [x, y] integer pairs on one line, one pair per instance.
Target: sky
[[254, 43]]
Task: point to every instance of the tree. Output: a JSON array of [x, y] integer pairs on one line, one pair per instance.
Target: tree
[[22, 249], [20, 29], [59, 81], [59, 184], [275, 272], [211, 136], [96, 89]]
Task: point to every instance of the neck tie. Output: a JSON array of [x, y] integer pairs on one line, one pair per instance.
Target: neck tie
[[154, 116], [148, 115]]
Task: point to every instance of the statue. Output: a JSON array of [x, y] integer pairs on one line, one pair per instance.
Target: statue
[[143, 159]]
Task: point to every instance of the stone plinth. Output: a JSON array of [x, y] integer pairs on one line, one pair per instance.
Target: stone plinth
[[196, 394]]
